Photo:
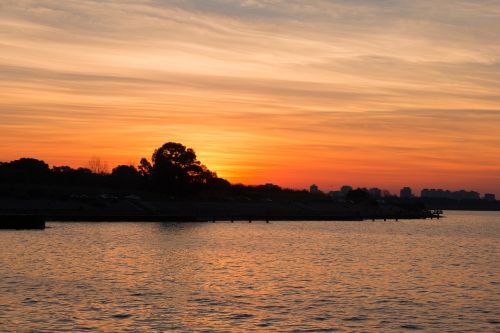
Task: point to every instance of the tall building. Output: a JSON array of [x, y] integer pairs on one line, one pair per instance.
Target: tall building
[[405, 193]]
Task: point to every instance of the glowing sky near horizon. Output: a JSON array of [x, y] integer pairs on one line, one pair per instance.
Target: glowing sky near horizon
[[369, 93]]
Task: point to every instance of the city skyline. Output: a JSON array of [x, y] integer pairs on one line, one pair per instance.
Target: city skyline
[[408, 192], [367, 93]]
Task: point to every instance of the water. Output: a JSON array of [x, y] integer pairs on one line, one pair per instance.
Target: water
[[283, 276]]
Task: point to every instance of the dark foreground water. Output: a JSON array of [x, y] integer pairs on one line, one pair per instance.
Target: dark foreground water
[[283, 276]]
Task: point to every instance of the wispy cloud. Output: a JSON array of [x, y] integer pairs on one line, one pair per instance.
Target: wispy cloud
[[360, 91]]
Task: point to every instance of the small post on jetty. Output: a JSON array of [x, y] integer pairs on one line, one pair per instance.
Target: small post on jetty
[[436, 213]]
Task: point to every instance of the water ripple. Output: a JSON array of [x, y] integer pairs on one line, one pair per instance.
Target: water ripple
[[278, 277]]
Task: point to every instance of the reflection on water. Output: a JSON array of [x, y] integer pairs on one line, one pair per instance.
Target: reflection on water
[[283, 276]]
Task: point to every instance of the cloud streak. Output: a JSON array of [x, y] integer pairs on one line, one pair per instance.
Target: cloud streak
[[332, 91]]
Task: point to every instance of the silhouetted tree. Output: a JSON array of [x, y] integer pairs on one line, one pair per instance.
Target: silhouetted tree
[[81, 176], [28, 170], [62, 170], [175, 169], [216, 183], [125, 176], [97, 166], [145, 168], [63, 175]]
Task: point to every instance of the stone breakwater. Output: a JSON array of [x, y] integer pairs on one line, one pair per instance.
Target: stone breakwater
[[203, 211], [16, 221]]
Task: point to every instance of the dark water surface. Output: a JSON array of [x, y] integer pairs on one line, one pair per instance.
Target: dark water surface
[[284, 276]]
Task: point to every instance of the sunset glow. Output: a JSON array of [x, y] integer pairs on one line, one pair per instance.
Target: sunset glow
[[366, 93]]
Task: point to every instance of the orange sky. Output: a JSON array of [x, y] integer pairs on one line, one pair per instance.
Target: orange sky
[[367, 93]]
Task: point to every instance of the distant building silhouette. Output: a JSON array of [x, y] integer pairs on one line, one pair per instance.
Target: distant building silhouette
[[345, 189], [446, 194], [387, 194], [314, 189], [405, 193], [336, 194], [375, 193], [489, 197]]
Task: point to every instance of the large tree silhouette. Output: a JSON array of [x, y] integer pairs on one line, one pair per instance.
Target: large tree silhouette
[[125, 176], [28, 170], [176, 169]]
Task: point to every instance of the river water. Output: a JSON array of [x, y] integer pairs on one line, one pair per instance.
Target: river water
[[432, 276]]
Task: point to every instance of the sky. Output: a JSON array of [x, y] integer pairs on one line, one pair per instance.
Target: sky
[[369, 93]]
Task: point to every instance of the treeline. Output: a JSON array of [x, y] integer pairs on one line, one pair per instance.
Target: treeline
[[173, 170]]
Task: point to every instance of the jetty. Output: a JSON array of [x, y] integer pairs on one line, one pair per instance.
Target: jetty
[[220, 216], [25, 214], [20, 222]]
